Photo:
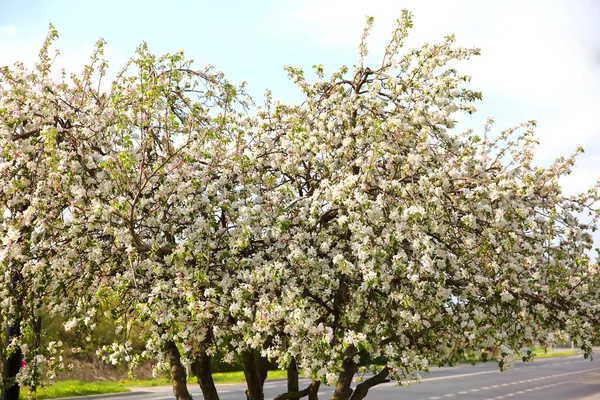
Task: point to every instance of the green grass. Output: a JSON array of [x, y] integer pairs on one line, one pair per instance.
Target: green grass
[[539, 353], [218, 377], [238, 377], [77, 388]]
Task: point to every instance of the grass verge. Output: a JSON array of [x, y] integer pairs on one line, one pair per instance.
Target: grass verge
[[539, 353], [77, 388], [74, 388], [218, 377]]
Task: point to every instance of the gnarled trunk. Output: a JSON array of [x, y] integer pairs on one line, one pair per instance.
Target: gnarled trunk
[[313, 390], [342, 386], [292, 377], [255, 370], [12, 365], [202, 370], [178, 374], [37, 342]]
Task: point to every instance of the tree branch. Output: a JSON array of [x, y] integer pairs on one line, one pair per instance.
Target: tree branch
[[329, 215], [363, 388], [317, 300], [300, 394], [25, 134]]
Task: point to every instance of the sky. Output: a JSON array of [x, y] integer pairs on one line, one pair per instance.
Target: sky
[[540, 58]]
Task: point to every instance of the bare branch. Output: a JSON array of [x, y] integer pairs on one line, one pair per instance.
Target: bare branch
[[318, 300], [312, 388], [25, 134], [329, 215], [363, 388]]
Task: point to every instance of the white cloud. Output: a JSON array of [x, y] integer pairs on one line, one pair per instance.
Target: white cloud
[[8, 30]]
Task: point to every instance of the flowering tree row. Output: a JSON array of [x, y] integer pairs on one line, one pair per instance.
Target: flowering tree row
[[354, 233]]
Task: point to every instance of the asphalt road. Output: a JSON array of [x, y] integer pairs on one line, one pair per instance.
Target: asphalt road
[[565, 378]]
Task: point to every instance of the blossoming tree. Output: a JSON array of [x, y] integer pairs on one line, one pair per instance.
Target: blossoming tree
[[352, 233], [31, 220], [112, 201], [407, 244], [156, 210]]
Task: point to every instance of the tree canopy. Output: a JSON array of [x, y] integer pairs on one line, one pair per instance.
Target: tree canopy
[[355, 232]]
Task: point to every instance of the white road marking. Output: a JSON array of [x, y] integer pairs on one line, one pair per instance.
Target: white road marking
[[528, 390], [516, 383], [439, 378], [486, 372]]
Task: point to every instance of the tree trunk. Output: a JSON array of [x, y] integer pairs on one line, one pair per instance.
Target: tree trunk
[[292, 377], [202, 370], [178, 375], [12, 365], [255, 370], [37, 342], [342, 386], [313, 392], [262, 366]]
